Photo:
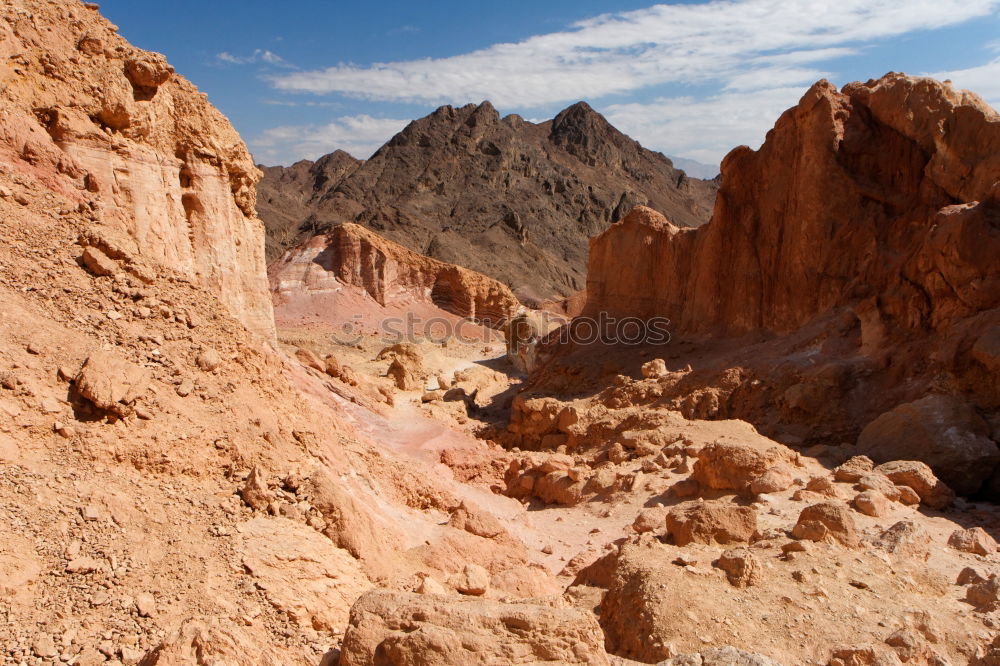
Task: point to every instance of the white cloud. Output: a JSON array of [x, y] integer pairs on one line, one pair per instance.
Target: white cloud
[[704, 129], [983, 80], [258, 55], [738, 44], [359, 135]]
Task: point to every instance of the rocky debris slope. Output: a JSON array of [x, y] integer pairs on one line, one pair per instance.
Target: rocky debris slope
[[172, 489], [849, 269], [389, 273], [512, 199]]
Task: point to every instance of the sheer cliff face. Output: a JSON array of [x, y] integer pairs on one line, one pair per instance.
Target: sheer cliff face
[[882, 199], [512, 199], [100, 120]]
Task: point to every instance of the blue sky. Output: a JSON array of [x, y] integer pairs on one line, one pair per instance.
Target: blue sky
[[301, 78]]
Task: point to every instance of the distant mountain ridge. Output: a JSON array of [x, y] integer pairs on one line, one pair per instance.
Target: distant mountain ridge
[[694, 168], [512, 199]]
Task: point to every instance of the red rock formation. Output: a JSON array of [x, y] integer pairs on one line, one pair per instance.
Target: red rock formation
[[882, 198], [88, 113], [353, 255], [850, 267]]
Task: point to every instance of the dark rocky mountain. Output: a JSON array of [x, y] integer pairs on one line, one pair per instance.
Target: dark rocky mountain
[[513, 199]]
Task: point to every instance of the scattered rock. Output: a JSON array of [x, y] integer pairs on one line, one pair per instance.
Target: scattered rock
[[98, 263], [853, 469], [871, 503], [730, 466], [905, 539], [917, 475], [110, 382], [711, 522], [84, 565], [741, 567], [826, 521], [208, 359], [653, 369], [474, 580], [973, 540]]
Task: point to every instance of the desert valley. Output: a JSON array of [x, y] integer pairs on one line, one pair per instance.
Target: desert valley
[[508, 391]]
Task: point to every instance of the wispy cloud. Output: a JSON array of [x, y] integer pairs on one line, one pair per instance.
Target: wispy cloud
[[359, 135], [258, 55], [736, 44], [704, 129], [404, 30]]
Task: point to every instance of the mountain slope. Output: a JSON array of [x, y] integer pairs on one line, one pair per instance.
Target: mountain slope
[[513, 199]]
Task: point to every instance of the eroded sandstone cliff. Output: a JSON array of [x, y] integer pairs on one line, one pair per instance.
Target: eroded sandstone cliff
[[389, 273], [108, 123], [850, 267], [882, 198]]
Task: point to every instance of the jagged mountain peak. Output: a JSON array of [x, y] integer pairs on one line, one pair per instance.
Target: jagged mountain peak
[[509, 198]]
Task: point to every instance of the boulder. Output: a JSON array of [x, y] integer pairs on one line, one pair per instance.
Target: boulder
[[474, 580], [147, 70], [973, 540], [98, 263], [475, 521], [880, 483], [985, 595], [741, 567], [711, 522], [110, 382], [864, 655], [905, 539], [774, 480], [430, 585], [405, 375], [309, 359], [827, 521], [735, 466], [300, 571], [853, 469], [918, 476], [208, 359], [940, 430], [388, 627], [255, 492], [653, 369], [871, 503], [650, 519], [986, 350]]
